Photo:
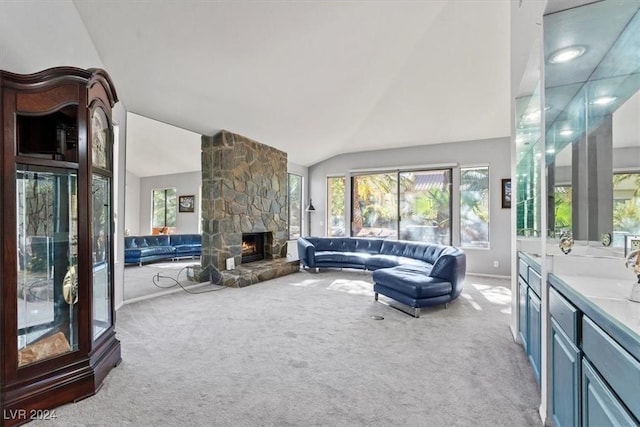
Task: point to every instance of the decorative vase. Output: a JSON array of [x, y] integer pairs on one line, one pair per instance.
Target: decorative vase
[[633, 259]]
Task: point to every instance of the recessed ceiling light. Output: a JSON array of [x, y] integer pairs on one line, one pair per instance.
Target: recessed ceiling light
[[566, 132], [604, 100], [551, 150], [532, 116], [566, 54]]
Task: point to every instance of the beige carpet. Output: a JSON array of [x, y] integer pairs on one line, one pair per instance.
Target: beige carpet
[[139, 280], [304, 350]]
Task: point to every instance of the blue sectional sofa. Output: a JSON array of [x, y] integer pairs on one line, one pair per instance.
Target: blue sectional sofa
[[139, 249], [416, 274]]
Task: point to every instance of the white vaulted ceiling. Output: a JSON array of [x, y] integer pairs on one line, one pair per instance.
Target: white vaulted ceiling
[[312, 78]]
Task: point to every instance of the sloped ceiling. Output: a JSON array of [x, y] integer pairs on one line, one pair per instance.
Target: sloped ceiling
[[313, 78]]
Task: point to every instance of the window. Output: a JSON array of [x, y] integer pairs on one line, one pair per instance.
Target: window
[[414, 205], [474, 207], [165, 205], [295, 206], [335, 206], [562, 213], [626, 206], [425, 206], [375, 205]]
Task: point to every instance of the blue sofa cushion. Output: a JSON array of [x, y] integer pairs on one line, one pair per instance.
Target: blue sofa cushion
[[371, 246], [334, 244], [385, 261], [152, 250], [186, 244], [411, 282], [345, 258]]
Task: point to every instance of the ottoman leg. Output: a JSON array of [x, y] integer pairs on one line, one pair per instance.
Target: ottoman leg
[[375, 296], [416, 312]]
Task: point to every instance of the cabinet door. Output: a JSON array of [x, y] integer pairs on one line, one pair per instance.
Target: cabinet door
[[533, 347], [600, 407], [565, 379], [523, 300]]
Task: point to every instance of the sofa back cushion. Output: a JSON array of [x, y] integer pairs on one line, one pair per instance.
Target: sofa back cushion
[[184, 239], [335, 244], [131, 242], [371, 246], [427, 252], [451, 266]]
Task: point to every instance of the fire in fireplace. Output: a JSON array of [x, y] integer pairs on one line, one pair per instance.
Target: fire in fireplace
[[252, 247]]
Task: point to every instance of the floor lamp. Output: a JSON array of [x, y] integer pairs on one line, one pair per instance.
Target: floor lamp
[[310, 208]]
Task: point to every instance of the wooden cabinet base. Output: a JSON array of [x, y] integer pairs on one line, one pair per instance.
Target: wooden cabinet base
[[37, 398]]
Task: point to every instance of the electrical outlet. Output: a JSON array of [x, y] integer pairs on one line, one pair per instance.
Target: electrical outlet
[[496, 264], [231, 264]]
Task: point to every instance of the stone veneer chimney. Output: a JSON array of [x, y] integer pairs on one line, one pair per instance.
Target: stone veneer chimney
[[244, 190]]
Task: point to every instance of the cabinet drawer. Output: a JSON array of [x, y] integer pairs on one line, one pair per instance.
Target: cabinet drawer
[[615, 364], [564, 313], [523, 269], [535, 281]]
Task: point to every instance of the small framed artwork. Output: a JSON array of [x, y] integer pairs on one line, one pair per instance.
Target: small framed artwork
[[506, 193], [631, 243], [186, 203]]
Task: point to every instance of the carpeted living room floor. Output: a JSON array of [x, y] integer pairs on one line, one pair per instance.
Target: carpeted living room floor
[[304, 350]]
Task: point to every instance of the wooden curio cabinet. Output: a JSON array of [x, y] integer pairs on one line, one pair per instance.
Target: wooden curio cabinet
[[56, 225]]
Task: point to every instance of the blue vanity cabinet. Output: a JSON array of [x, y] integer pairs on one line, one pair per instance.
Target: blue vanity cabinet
[[600, 407], [594, 358], [534, 344], [529, 315], [565, 362], [523, 302], [618, 371]]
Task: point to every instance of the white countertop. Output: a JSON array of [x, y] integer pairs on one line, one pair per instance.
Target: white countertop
[[610, 295]]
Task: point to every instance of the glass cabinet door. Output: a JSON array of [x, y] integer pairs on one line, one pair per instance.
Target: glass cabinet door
[[47, 213], [101, 242], [101, 227]]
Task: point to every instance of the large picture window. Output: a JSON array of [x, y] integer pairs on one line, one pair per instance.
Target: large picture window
[[626, 206], [409, 205], [335, 206], [165, 205], [295, 206], [474, 207]]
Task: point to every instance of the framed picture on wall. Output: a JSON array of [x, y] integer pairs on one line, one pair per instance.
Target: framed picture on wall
[[186, 203], [506, 193]]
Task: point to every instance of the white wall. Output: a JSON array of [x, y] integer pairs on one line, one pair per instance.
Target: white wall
[[186, 184], [132, 205], [492, 152], [36, 35]]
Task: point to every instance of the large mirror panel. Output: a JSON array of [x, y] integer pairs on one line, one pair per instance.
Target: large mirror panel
[[592, 116]]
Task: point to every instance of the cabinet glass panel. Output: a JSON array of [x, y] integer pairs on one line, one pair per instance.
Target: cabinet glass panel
[[101, 242], [47, 214], [51, 136], [99, 139]]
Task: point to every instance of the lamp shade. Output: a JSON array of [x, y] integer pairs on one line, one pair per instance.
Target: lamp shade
[[310, 208]]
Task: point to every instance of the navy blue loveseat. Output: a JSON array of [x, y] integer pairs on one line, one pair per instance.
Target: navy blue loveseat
[[139, 249], [416, 274]]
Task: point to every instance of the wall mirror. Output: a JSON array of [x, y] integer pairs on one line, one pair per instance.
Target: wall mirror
[[528, 143], [592, 122]]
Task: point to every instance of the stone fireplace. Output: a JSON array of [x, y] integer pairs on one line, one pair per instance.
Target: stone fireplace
[[244, 191]]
